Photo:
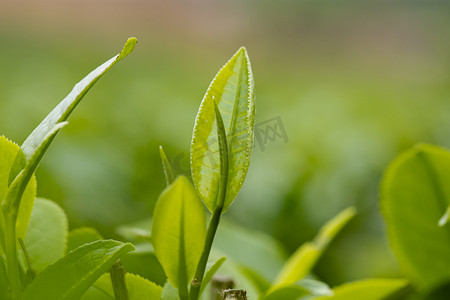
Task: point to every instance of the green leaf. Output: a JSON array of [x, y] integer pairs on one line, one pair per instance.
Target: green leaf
[[232, 90], [138, 288], [414, 197], [71, 276], [369, 289], [304, 259], [179, 229], [210, 273], [8, 152], [12, 199], [81, 236], [63, 110], [46, 238], [168, 170]]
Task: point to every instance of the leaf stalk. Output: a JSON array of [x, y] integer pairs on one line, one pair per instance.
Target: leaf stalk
[[11, 255], [117, 273], [217, 213]]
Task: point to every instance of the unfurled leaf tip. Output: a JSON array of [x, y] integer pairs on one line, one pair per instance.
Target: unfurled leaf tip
[[128, 47]]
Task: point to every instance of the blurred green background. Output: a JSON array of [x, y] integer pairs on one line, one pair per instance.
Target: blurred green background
[[354, 84]]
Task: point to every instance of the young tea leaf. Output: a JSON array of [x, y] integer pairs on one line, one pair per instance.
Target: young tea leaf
[[71, 276], [12, 200], [414, 196], [232, 90], [168, 170], [63, 110], [179, 229], [210, 273], [369, 289], [46, 238], [303, 260], [8, 152]]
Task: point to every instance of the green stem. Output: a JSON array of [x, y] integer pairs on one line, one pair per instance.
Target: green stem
[[117, 273], [200, 272], [11, 256], [215, 218]]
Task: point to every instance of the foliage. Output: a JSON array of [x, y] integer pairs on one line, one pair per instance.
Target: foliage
[[415, 205], [41, 259], [49, 273]]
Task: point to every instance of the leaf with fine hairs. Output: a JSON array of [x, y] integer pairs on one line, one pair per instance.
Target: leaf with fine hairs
[[232, 90]]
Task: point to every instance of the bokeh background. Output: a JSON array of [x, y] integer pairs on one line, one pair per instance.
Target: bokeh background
[[354, 83]]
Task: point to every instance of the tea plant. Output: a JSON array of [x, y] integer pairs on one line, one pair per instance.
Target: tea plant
[[34, 263], [40, 259], [220, 156]]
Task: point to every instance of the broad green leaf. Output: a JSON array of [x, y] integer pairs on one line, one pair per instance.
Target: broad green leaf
[[210, 273], [168, 170], [138, 288], [81, 236], [8, 152], [179, 229], [71, 276], [415, 195], [12, 199], [369, 289], [46, 238], [304, 259], [232, 90], [63, 110]]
